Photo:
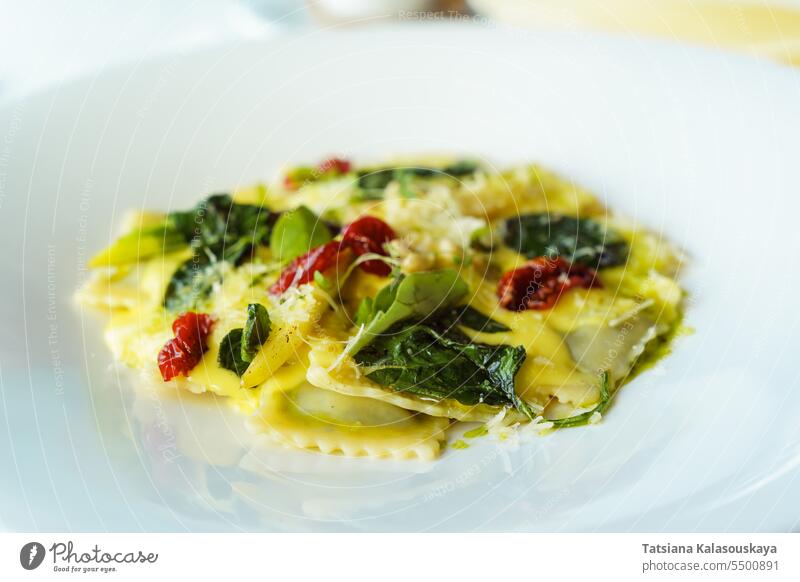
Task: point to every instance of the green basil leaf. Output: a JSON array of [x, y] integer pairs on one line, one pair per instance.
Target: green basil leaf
[[420, 360], [255, 331], [577, 240], [230, 352]]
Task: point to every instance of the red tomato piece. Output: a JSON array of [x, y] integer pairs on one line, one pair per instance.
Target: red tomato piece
[[369, 235], [335, 166], [290, 183], [329, 168], [192, 328], [183, 352], [302, 269], [540, 282]]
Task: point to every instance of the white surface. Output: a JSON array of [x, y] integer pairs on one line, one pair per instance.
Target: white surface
[[697, 144], [48, 41]]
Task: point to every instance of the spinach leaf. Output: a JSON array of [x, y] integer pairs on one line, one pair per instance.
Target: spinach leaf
[[372, 182], [375, 179], [461, 168], [192, 283], [230, 352], [420, 360], [577, 240], [223, 228], [255, 331], [581, 419], [471, 318], [410, 297], [218, 230], [296, 232]]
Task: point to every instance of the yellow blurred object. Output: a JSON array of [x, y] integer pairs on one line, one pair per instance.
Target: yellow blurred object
[[762, 27]]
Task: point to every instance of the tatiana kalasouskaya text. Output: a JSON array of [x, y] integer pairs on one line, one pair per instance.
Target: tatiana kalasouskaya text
[[711, 548]]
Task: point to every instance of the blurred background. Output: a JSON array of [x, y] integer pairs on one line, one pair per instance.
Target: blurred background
[[48, 41]]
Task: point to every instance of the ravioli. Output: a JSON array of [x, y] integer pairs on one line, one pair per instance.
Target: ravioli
[[312, 418], [360, 310]]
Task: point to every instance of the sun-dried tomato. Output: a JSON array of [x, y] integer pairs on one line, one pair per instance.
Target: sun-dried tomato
[[329, 168], [540, 282], [369, 235], [291, 182], [334, 166], [183, 352], [302, 269]]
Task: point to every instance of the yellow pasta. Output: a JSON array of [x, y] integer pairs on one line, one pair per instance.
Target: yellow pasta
[[399, 298], [311, 418]]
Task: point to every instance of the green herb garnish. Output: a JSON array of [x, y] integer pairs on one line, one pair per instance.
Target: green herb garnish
[[581, 419], [471, 318], [410, 297], [255, 331], [218, 231], [577, 240], [296, 232], [230, 352], [373, 182], [461, 168], [192, 283], [223, 228], [420, 360], [474, 433]]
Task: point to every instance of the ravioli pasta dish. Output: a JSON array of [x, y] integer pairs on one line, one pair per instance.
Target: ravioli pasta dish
[[366, 310]]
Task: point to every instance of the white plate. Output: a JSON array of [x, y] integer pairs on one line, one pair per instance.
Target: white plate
[[699, 145]]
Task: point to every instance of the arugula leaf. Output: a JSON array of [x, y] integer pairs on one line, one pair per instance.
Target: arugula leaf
[[255, 331], [230, 352], [577, 240], [581, 419], [420, 360], [296, 232], [410, 297]]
